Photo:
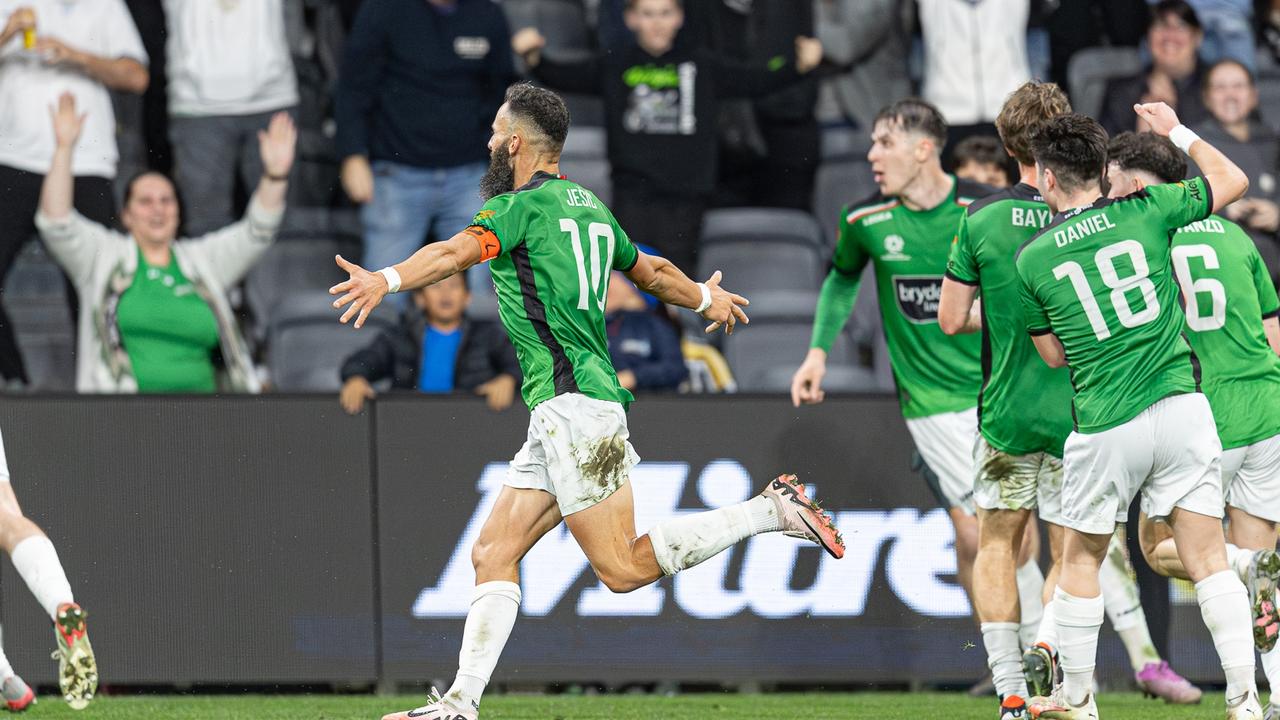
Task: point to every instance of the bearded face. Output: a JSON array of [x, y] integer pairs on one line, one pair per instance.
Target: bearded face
[[501, 175]]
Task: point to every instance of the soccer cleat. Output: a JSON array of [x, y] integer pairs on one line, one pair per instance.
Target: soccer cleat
[[77, 668], [437, 708], [1040, 669], [1264, 575], [1245, 707], [1158, 680], [1013, 708], [803, 518], [1056, 707], [18, 696]]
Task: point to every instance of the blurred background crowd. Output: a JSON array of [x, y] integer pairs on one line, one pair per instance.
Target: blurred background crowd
[[724, 134]]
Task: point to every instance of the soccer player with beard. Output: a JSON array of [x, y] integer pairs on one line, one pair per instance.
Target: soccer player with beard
[[552, 246], [1099, 295], [1233, 327], [905, 230]]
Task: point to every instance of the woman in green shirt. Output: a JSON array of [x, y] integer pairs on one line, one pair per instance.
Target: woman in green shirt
[[154, 313]]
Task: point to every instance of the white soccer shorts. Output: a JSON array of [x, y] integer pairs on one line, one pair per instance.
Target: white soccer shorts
[[945, 441], [1170, 453], [577, 450], [1251, 476], [1018, 482]]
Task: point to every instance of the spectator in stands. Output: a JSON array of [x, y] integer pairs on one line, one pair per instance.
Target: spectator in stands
[[644, 347], [419, 83], [1228, 31], [154, 315], [975, 54], [1231, 96], [229, 73], [87, 49], [867, 42], [661, 102], [1174, 35], [436, 349], [982, 159], [770, 145]]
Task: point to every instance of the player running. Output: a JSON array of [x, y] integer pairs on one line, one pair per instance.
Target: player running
[[1024, 420], [1100, 298], [553, 244], [1233, 327], [37, 562], [905, 231]]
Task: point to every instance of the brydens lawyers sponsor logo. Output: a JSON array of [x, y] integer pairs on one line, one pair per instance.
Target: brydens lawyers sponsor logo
[[918, 296], [917, 549]]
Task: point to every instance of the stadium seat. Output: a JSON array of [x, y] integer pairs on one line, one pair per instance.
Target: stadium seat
[[752, 267], [1089, 71], [291, 267], [773, 343], [845, 143], [35, 299], [562, 22], [746, 225], [308, 344], [838, 184], [839, 378], [1269, 97]]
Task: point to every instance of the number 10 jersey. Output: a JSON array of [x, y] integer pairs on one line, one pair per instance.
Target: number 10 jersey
[[1100, 278], [554, 245]]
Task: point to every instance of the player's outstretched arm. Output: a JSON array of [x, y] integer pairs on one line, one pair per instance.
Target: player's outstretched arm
[[958, 310], [663, 280], [363, 290], [1226, 180], [1050, 349]]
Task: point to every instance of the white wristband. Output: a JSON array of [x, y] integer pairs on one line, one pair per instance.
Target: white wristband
[[1182, 136], [706, 298], [393, 278]]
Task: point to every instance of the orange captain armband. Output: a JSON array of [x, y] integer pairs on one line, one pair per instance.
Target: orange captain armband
[[488, 240]]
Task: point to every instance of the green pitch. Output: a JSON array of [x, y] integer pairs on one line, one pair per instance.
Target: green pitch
[[868, 706]]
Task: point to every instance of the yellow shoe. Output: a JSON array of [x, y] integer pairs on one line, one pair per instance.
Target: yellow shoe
[[77, 668]]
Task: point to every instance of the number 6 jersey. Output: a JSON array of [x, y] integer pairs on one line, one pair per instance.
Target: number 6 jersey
[[1100, 277], [1228, 292], [553, 245]]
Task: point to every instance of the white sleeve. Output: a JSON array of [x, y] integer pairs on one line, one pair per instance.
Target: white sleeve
[[123, 40]]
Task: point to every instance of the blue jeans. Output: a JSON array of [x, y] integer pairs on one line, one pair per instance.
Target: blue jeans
[[409, 203]]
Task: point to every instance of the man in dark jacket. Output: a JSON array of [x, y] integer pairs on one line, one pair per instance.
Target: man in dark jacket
[[662, 100], [645, 349], [436, 349]]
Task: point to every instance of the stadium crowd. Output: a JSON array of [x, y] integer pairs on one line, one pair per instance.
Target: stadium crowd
[[746, 172]]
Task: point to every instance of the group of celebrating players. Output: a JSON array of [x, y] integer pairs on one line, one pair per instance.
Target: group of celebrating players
[[1130, 393], [1155, 326]]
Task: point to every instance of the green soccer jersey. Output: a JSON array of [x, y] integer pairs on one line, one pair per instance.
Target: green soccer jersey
[[935, 373], [1024, 406], [1100, 278], [557, 246], [1227, 292]]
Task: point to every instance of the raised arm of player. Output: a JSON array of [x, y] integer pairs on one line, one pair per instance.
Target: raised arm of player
[[663, 280], [1050, 349], [959, 310], [432, 263], [1226, 180]]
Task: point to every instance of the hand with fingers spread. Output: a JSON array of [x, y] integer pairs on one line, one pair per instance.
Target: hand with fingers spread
[[67, 123], [725, 308], [277, 145], [363, 290]]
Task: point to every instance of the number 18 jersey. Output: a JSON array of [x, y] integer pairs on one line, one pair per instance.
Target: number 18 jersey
[[553, 245], [1100, 278]]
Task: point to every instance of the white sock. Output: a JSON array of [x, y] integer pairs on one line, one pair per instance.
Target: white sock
[[1004, 657], [1238, 560], [1224, 604], [1271, 669], [494, 606], [1079, 620], [1030, 594], [684, 542], [1124, 607], [1048, 632], [37, 562], [6, 670]]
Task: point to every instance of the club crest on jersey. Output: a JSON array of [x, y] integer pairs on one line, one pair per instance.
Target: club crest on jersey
[[893, 245], [918, 297]]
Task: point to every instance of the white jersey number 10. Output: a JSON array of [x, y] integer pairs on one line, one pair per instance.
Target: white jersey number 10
[[597, 234]]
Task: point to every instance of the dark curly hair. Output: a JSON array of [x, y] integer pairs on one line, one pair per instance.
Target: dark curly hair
[[1149, 152], [1074, 147], [541, 109]]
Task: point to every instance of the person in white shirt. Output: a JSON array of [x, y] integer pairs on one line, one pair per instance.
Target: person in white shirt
[[47, 47], [229, 72]]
